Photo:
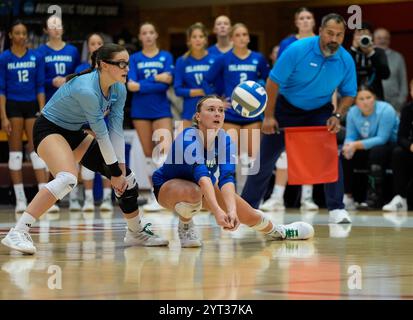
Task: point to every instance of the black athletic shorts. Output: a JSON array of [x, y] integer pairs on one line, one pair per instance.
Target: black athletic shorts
[[43, 127], [22, 109]]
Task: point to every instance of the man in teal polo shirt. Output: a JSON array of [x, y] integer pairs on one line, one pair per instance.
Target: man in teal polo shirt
[[300, 89]]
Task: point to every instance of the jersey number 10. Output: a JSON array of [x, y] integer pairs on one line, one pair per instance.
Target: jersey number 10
[[60, 68]]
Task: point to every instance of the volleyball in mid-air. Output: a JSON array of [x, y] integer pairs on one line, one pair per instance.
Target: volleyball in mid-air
[[249, 99]]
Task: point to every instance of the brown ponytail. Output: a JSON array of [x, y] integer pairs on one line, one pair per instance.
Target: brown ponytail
[[105, 52]]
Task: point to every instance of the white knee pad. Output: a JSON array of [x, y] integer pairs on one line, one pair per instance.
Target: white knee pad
[[282, 161], [87, 174], [37, 162], [15, 160], [188, 210], [62, 184], [262, 224]]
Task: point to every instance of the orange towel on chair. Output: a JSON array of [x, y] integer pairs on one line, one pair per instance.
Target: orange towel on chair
[[312, 155]]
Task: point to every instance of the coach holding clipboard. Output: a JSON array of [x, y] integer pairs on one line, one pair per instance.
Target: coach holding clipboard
[[300, 87]]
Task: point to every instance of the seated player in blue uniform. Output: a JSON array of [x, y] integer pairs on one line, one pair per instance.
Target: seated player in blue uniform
[[62, 144], [188, 177]]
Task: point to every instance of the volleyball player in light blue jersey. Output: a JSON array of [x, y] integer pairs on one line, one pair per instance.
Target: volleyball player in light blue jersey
[[236, 66], [94, 41], [150, 75], [62, 144], [60, 58], [222, 29], [191, 69], [186, 180], [21, 97]]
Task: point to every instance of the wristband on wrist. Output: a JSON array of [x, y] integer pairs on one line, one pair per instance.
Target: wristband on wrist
[[114, 169]]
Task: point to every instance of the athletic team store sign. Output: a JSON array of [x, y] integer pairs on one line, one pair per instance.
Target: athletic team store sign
[[31, 8]]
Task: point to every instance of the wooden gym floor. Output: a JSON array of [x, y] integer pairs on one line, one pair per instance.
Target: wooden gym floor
[[83, 257]]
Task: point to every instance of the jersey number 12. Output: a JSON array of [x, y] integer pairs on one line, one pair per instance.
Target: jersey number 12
[[23, 75]]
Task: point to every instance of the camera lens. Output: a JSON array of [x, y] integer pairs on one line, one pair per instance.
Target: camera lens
[[365, 41]]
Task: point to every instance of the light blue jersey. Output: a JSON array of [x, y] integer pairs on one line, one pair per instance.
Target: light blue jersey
[[308, 79], [81, 100], [234, 71], [376, 129], [189, 160], [21, 78], [189, 74], [150, 102], [58, 63]]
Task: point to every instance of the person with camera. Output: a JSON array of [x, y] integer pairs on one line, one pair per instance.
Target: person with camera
[[371, 62]]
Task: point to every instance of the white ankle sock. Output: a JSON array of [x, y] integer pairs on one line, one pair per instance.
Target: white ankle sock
[[306, 192], [73, 196], [107, 193], [19, 192], [89, 194], [278, 192], [134, 224], [25, 222]]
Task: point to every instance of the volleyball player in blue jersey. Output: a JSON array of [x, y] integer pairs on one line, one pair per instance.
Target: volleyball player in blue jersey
[[61, 58], [150, 74], [21, 96], [186, 180], [61, 142], [191, 69], [94, 41], [236, 66], [222, 29]]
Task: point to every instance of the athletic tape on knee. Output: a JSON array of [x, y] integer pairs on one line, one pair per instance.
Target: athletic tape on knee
[[262, 224], [130, 179], [37, 162], [62, 184], [87, 174], [150, 166], [15, 160], [282, 161], [188, 210]]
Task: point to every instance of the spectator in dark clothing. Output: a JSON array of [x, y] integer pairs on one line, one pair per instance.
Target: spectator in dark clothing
[[371, 63]]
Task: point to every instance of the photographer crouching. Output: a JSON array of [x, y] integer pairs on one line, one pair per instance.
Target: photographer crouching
[[371, 62]]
